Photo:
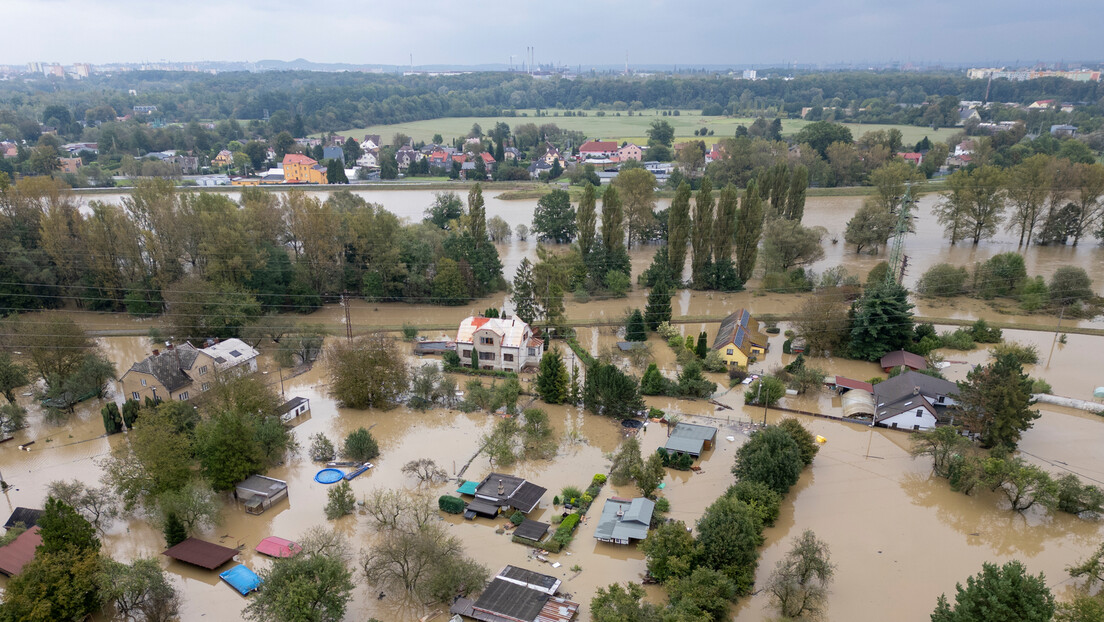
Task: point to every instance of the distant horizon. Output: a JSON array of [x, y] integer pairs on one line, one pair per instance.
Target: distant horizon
[[266, 63], [645, 33]]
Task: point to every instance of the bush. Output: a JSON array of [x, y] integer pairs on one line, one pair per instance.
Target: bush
[[772, 457], [360, 446], [1026, 354], [599, 480], [409, 332], [983, 333], [942, 281], [571, 494], [1070, 284], [517, 518], [662, 505], [1034, 294], [451, 358], [713, 362], [960, 339], [450, 504], [1038, 385], [321, 449], [341, 501]]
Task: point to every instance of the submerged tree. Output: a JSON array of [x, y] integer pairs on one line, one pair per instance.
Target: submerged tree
[[799, 584], [997, 594]]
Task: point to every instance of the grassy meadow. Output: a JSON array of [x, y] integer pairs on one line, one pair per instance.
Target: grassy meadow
[[621, 128]]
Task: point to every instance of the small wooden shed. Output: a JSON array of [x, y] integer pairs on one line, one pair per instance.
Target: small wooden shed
[[258, 493]]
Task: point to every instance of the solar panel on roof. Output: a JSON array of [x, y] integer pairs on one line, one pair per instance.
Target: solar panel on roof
[[739, 337], [235, 353], [745, 318]]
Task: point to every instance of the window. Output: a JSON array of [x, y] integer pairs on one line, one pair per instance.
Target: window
[[728, 351], [183, 396], [206, 386], [532, 351], [143, 382], [915, 427], [466, 354], [919, 412], [508, 357], [203, 370], [486, 340], [134, 395], [486, 356]]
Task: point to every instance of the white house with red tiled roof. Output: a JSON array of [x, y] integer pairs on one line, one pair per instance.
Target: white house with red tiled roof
[[498, 343], [598, 149]]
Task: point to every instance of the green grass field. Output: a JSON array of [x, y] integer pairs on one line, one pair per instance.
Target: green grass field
[[621, 128]]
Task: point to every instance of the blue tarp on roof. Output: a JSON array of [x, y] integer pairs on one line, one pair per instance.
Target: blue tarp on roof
[[468, 488], [241, 579]]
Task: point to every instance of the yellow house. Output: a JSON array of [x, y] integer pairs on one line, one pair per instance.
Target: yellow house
[[739, 339], [175, 373], [224, 158], [299, 169]]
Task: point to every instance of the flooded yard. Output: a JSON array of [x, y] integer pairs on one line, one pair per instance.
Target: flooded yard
[[887, 521]]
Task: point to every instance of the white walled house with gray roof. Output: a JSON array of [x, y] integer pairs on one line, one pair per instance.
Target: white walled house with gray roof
[[913, 401], [624, 520], [233, 355]]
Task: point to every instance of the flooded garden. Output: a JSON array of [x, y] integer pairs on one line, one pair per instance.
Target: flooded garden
[[899, 536]]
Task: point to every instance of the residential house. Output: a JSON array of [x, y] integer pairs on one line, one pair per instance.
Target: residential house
[[371, 142], [488, 161], [293, 408], [405, 157], [189, 165], [502, 493], [690, 439], [498, 343], [518, 595], [913, 401], [70, 165], [368, 160], [272, 176], [440, 159], [1063, 130], [9, 149], [552, 154], [913, 157], [511, 153], [233, 355], [19, 552], [25, 517], [537, 167], [739, 340], [224, 158], [76, 148], [299, 169], [177, 373], [897, 358], [967, 114], [624, 520], [1041, 104], [598, 149], [716, 152], [965, 147]]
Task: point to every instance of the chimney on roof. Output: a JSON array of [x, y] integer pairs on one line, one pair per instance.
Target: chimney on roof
[[916, 390], [501, 488], [168, 345], [620, 512], [156, 352]]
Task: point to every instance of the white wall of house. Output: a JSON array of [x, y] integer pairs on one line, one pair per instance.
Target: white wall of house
[[918, 418]]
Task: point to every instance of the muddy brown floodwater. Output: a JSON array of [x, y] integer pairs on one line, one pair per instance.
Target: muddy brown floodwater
[[888, 522]]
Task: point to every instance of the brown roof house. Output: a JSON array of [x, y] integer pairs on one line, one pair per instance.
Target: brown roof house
[[898, 358], [175, 373], [739, 340]]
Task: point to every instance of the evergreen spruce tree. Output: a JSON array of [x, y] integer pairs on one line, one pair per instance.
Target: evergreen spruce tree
[[881, 322], [659, 306], [652, 382], [678, 231], [703, 345], [749, 230], [175, 533], [576, 394], [525, 305], [635, 329], [995, 402], [552, 379], [701, 236]]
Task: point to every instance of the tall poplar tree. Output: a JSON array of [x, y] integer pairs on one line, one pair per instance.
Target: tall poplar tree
[[613, 222], [749, 229], [701, 239], [724, 229], [477, 214], [795, 198], [678, 231], [586, 218]]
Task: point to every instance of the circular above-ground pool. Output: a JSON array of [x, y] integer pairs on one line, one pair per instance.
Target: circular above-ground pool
[[329, 476]]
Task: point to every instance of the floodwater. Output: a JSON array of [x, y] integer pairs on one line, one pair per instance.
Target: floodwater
[[888, 523], [925, 248]]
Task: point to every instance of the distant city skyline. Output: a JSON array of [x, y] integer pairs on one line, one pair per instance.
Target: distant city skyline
[[575, 33]]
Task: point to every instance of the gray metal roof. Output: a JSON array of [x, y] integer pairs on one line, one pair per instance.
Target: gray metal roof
[[623, 519], [690, 438], [511, 600]]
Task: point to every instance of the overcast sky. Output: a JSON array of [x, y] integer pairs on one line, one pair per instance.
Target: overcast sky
[[574, 32]]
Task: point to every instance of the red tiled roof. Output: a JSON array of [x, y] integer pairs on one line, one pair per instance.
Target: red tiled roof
[[535, 343], [20, 552], [598, 146], [479, 321], [487, 158], [298, 158], [847, 383]]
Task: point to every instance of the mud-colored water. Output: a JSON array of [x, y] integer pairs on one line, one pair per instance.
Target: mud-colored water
[[885, 519]]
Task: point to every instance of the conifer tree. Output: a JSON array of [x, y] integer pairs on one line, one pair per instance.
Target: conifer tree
[[552, 379], [703, 345], [659, 306], [525, 305], [635, 329]]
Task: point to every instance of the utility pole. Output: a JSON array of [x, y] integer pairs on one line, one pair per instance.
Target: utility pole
[[897, 259], [1055, 340], [348, 317]]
